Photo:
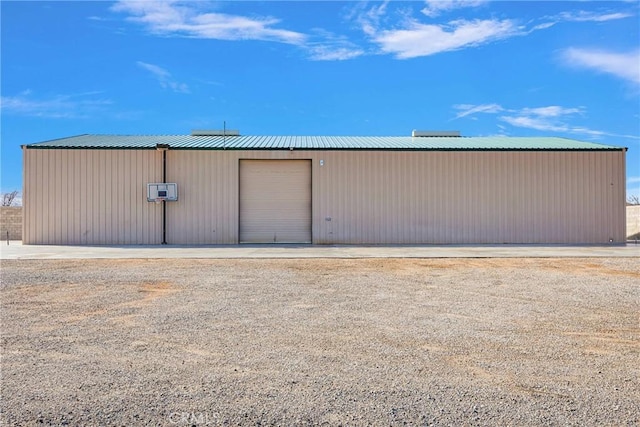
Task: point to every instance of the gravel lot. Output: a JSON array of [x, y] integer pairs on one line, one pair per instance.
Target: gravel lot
[[321, 342]]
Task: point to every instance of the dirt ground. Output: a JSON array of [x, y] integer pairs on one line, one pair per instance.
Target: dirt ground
[[321, 342]]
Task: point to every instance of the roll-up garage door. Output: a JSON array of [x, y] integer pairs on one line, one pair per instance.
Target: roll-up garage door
[[275, 201]]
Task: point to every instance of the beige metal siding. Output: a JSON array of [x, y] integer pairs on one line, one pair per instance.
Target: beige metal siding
[[470, 197], [207, 208], [207, 211], [90, 196], [377, 197], [275, 201], [359, 197]]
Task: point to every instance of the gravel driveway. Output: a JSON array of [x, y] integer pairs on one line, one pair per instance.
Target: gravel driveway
[[321, 342]]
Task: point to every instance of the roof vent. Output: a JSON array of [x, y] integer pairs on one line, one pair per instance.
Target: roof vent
[[227, 132], [434, 133]]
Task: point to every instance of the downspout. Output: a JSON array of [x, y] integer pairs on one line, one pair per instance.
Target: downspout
[[164, 148], [164, 202]]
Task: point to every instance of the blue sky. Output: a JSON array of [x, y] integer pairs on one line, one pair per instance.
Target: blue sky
[[569, 69]]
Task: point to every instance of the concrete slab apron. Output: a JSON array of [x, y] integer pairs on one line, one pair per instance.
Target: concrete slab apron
[[15, 250]]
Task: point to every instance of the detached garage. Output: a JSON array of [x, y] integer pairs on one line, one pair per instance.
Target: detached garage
[[215, 187]]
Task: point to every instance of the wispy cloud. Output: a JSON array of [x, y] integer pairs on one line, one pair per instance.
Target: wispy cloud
[[579, 16], [552, 118], [633, 180], [584, 16], [625, 65], [368, 19], [556, 119], [390, 29], [418, 39], [189, 20], [396, 32], [196, 20], [164, 77], [434, 8], [73, 106], [407, 37], [332, 47], [552, 111], [328, 52], [467, 109]]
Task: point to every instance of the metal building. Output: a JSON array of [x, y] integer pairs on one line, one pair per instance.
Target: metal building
[[422, 189]]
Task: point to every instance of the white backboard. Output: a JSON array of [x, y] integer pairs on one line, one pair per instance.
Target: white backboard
[[165, 191]]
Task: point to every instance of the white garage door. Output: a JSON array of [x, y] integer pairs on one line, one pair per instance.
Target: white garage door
[[275, 201]]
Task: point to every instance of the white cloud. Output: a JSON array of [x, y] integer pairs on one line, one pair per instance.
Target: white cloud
[[436, 7], [584, 16], [467, 109], [396, 33], [369, 20], [542, 26], [186, 19], [551, 111], [74, 106], [164, 77], [410, 38], [424, 40], [633, 180], [534, 122], [622, 65], [326, 52], [195, 21], [332, 48], [552, 118], [579, 16]]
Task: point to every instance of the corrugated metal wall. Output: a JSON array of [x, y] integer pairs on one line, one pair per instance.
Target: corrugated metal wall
[[470, 197], [207, 209], [358, 197], [376, 197], [90, 197]]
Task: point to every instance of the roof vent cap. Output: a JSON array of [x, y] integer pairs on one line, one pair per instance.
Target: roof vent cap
[[434, 133], [215, 132]]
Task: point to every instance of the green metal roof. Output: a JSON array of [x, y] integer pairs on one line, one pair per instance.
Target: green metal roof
[[401, 143]]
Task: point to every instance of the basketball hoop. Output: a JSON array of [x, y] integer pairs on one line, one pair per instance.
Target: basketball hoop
[[159, 192]]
